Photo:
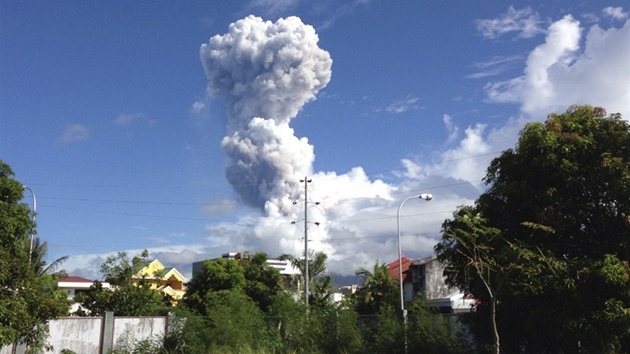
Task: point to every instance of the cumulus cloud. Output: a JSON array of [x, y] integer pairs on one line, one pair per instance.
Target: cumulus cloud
[[74, 133], [525, 22], [557, 74]]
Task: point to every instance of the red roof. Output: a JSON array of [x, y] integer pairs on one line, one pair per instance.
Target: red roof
[[393, 269], [75, 279]]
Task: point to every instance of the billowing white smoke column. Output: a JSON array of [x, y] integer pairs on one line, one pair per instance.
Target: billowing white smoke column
[[265, 72]]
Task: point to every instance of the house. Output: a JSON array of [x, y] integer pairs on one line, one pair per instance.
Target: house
[[74, 285], [425, 277], [169, 281]]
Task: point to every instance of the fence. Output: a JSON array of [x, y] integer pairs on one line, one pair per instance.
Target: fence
[[98, 334]]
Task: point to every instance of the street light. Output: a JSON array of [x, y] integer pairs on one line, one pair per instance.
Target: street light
[[30, 251], [426, 197]]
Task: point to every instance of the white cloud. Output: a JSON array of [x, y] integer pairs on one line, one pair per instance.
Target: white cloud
[[526, 22], [616, 13], [178, 256], [468, 160], [198, 106], [74, 133], [557, 75]]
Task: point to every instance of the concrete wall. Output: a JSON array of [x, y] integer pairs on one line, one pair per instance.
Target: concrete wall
[[129, 330], [79, 334], [98, 334]]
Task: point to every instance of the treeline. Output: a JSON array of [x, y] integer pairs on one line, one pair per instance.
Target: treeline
[[234, 304]]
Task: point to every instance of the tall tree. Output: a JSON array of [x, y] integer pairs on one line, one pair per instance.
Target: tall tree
[[468, 247], [561, 200], [27, 300], [262, 281]]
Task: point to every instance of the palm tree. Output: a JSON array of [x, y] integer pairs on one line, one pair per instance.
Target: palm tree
[[319, 283], [379, 288], [40, 266]]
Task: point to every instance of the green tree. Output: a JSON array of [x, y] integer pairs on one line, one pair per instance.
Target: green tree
[[262, 282], [561, 202], [27, 300], [214, 275]]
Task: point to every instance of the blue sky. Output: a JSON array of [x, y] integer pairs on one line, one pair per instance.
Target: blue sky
[[134, 136]]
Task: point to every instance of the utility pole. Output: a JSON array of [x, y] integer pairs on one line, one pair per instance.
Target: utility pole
[[30, 250], [306, 182]]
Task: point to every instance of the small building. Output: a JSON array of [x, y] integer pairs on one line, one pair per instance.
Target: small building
[[425, 277], [74, 285]]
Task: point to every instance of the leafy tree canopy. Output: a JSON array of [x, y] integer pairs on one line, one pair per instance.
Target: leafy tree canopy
[[28, 299], [560, 202], [247, 273]]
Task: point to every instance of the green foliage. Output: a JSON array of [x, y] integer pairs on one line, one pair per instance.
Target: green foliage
[[556, 237], [379, 289], [262, 282], [319, 283], [120, 270], [214, 276], [38, 252], [28, 299], [231, 307], [429, 331]]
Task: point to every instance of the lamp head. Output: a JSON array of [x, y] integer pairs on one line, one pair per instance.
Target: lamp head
[[426, 196]]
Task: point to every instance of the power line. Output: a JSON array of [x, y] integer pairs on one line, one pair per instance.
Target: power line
[[246, 185]]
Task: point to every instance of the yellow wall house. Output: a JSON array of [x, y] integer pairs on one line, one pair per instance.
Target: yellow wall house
[[167, 280]]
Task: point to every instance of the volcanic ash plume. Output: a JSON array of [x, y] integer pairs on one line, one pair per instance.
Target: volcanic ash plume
[[265, 72]]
